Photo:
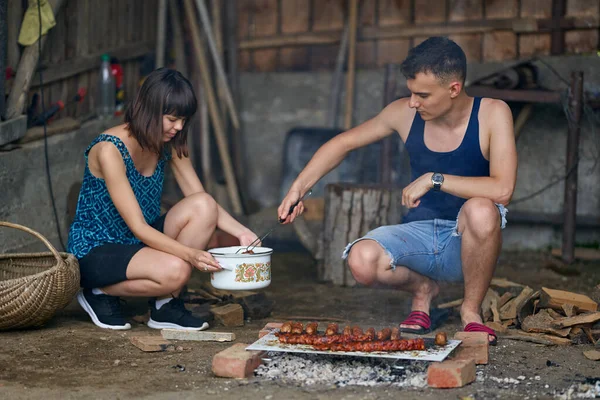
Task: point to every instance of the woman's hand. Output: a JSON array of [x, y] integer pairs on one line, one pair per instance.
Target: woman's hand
[[203, 261], [247, 237]]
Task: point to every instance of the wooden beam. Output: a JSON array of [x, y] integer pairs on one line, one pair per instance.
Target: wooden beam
[[71, 68], [350, 78], [27, 67], [517, 25], [557, 43], [526, 96]]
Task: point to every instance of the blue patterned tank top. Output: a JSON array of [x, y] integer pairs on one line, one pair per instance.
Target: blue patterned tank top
[[97, 220]]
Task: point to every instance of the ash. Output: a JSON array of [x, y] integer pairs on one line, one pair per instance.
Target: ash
[[313, 369]]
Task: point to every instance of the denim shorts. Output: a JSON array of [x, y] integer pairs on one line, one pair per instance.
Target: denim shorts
[[430, 248]]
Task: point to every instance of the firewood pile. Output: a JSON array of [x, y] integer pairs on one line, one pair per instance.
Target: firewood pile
[[545, 316]]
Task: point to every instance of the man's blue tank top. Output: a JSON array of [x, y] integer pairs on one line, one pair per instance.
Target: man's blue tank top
[[97, 220], [466, 160]]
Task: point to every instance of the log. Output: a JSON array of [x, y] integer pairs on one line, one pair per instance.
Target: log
[[541, 323], [27, 65], [556, 298], [509, 310], [581, 319], [352, 210], [538, 338]]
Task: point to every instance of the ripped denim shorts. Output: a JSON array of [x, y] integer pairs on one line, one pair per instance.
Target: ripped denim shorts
[[430, 248]]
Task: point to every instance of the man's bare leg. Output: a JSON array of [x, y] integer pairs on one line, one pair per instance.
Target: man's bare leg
[[371, 266], [480, 246]]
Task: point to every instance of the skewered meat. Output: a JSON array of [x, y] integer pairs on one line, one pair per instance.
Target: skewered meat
[[332, 329], [440, 339], [370, 333], [395, 333], [297, 328], [384, 334], [380, 345], [286, 327], [311, 328], [357, 330], [347, 330]]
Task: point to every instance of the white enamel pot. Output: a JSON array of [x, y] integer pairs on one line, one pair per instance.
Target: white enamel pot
[[242, 271]]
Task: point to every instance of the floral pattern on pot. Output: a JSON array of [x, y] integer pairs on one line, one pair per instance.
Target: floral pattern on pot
[[258, 272]]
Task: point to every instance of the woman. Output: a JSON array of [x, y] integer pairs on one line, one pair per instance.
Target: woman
[[124, 247]]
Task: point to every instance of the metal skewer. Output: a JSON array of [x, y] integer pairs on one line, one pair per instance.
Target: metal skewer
[[260, 239]]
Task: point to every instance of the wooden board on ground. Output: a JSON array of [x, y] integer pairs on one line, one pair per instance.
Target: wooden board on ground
[[582, 319], [593, 355], [150, 343], [202, 336], [556, 298], [538, 338], [509, 310]]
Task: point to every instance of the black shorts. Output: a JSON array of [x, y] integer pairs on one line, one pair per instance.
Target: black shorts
[[107, 264]]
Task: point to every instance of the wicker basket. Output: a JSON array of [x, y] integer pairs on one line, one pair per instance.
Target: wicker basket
[[33, 286]]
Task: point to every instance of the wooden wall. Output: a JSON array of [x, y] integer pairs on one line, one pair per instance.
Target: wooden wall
[[85, 29], [488, 30]]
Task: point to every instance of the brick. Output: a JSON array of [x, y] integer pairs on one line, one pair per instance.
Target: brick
[[451, 373], [268, 328], [475, 346], [472, 338], [229, 315], [150, 343], [236, 362]]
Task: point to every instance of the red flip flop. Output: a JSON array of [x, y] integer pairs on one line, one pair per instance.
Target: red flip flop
[[477, 327], [417, 318]]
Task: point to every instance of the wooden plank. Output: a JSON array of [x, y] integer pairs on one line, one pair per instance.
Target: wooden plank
[[367, 13], [556, 298], [55, 127], [229, 314], [534, 44], [542, 323], [587, 318], [424, 12], [14, 18], [265, 24], [201, 336], [505, 283], [90, 62], [327, 15], [294, 19], [392, 51], [394, 12], [366, 54], [499, 46], [581, 41], [71, 12], [509, 310], [471, 45], [244, 59], [464, 10], [582, 8], [536, 8], [501, 8], [538, 338]]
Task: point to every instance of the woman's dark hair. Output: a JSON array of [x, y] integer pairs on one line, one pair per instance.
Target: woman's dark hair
[[439, 56], [164, 91]]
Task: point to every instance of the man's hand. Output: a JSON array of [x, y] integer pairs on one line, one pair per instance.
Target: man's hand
[[283, 212], [411, 195], [248, 237]]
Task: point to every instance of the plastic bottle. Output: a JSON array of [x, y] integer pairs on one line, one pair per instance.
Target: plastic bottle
[[106, 90]]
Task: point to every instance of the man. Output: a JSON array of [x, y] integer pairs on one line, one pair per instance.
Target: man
[[464, 166]]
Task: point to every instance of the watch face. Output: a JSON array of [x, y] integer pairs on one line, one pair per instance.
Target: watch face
[[437, 178]]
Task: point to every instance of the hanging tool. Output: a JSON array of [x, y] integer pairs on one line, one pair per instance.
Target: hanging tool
[[260, 239], [53, 109]]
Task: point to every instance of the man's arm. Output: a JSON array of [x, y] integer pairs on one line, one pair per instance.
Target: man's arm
[[332, 153], [500, 185]]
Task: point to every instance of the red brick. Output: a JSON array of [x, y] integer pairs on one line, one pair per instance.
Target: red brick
[[268, 328], [472, 338], [236, 362], [451, 373], [475, 346]]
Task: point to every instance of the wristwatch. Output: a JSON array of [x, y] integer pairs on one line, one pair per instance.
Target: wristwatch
[[437, 180]]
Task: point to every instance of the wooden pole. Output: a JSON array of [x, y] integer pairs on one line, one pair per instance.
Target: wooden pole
[[218, 65], [161, 27], [570, 203], [213, 109], [218, 35], [389, 93], [27, 66], [336, 79], [178, 39], [352, 27], [3, 51]]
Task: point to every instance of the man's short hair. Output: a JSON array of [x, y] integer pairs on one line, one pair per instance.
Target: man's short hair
[[439, 56]]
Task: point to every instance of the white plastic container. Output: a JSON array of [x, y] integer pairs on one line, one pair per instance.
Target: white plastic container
[[242, 271]]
